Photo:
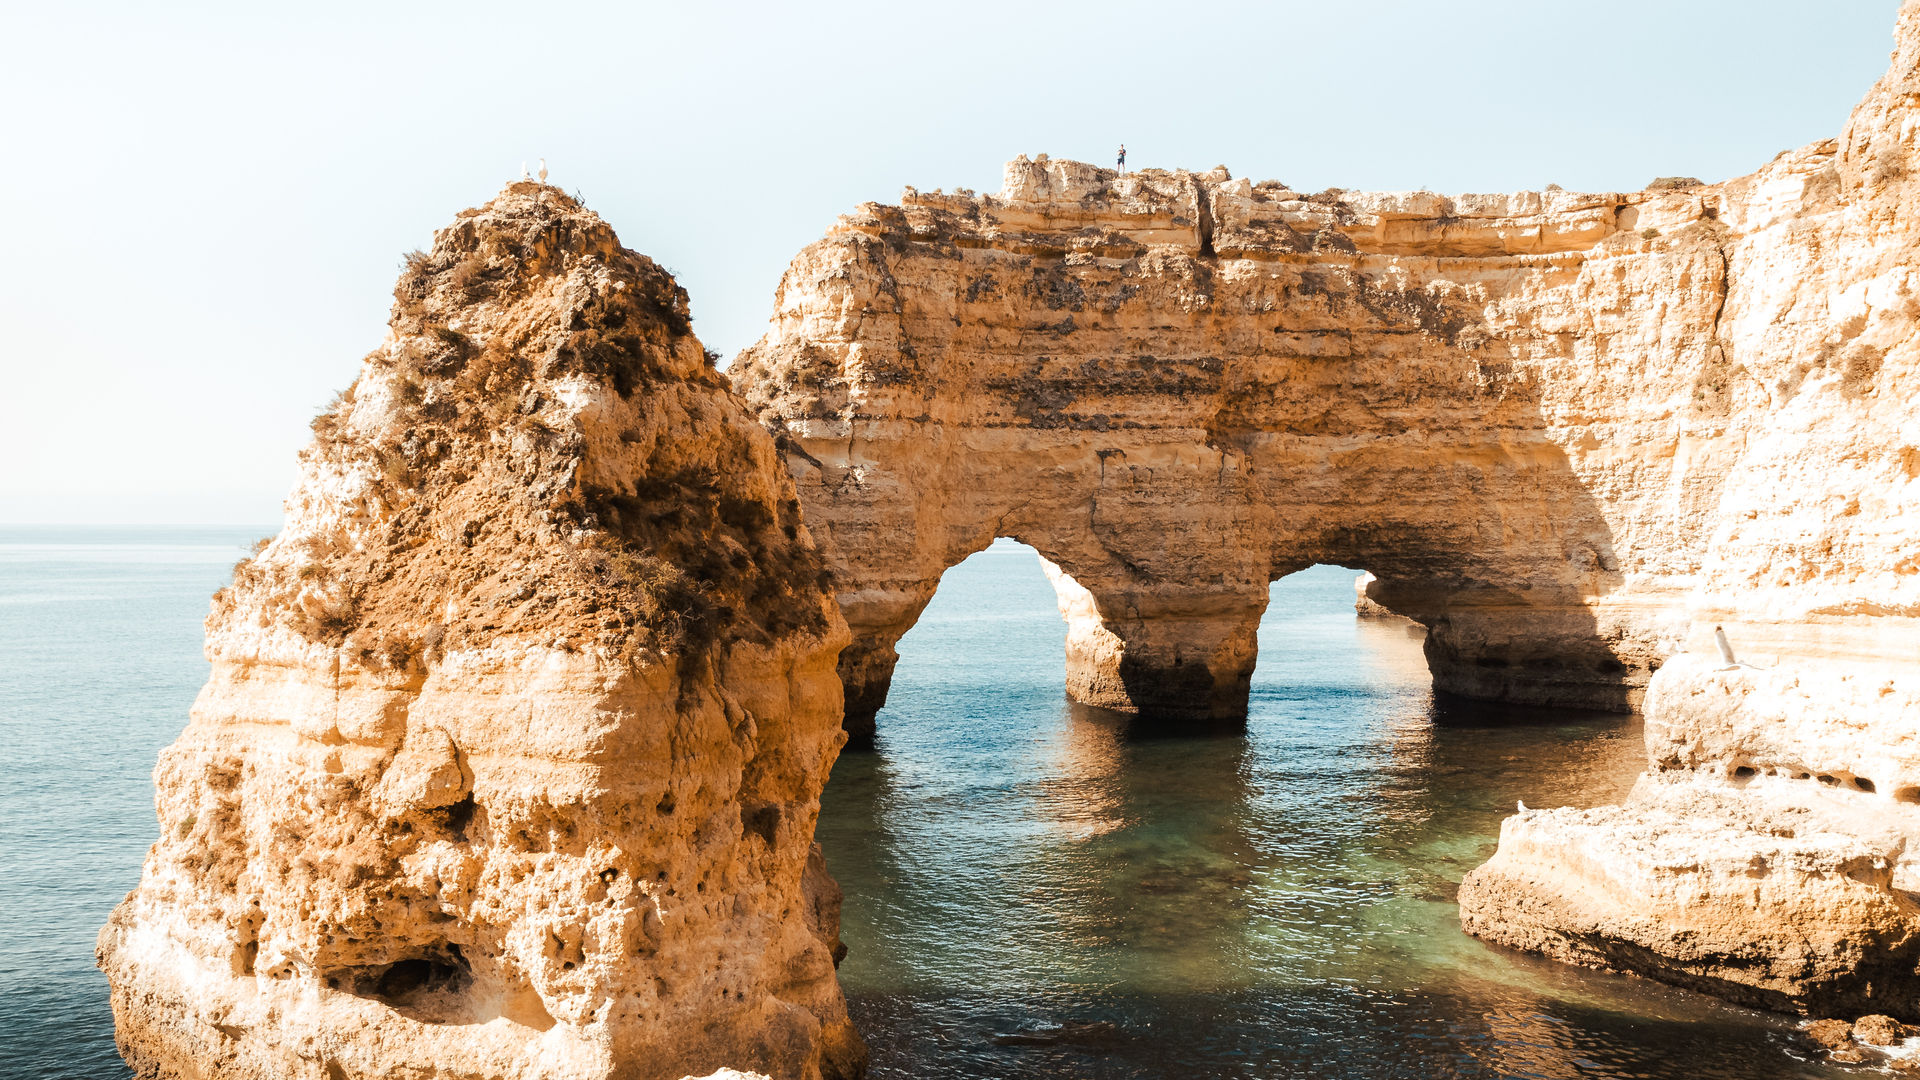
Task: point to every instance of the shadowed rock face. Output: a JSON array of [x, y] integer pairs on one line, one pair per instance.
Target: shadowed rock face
[[510, 758]]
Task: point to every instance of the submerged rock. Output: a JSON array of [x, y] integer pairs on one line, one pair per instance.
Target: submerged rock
[[509, 762]]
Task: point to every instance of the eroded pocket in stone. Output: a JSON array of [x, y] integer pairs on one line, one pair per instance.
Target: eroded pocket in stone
[[429, 987]]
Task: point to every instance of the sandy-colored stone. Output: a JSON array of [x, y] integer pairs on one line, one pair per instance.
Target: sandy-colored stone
[[509, 762], [1786, 877], [1571, 433], [1180, 386], [1830, 1034], [1880, 1030], [1771, 895]]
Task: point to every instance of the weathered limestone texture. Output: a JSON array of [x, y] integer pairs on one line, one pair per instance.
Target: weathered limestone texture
[[1769, 854], [1518, 411], [1558, 427], [510, 759]]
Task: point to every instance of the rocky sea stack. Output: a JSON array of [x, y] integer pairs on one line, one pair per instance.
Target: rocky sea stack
[[511, 755]]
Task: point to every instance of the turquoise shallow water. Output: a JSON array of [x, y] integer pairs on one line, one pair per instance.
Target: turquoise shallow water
[[1033, 889], [1037, 889]]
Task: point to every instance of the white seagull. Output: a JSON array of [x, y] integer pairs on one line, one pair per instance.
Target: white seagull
[[524, 174], [543, 170], [1726, 652], [1522, 804]]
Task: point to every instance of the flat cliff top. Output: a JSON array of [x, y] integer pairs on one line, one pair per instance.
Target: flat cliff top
[[1049, 207]]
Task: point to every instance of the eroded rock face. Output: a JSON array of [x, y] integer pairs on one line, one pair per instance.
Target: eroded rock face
[[1519, 411], [510, 758], [1769, 853], [1569, 433]]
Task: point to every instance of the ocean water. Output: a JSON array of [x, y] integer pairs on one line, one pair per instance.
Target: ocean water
[[99, 659], [1033, 889], [1037, 889]]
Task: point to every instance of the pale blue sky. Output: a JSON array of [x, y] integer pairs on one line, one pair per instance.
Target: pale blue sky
[[210, 202]]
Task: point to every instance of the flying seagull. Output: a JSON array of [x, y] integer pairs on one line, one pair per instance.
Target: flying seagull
[[543, 170], [1726, 650]]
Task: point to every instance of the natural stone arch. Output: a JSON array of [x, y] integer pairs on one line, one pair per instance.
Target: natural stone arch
[[1512, 409]]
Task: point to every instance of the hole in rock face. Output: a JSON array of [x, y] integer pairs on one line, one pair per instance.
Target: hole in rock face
[[402, 979], [665, 805], [1863, 783], [407, 983], [762, 821], [1830, 781], [1743, 772], [1907, 794], [459, 816]]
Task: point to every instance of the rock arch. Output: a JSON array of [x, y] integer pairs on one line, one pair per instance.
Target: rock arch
[[1516, 410]]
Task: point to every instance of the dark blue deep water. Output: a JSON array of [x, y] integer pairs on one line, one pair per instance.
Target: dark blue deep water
[[1033, 890]]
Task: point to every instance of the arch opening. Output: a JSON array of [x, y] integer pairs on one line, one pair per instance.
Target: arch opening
[[1035, 885]]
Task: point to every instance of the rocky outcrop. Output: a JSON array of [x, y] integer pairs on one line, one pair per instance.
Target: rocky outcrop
[[1519, 412], [1366, 606], [509, 762], [1769, 853], [1569, 433]]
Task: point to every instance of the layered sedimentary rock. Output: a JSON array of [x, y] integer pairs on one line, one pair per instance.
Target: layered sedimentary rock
[[1769, 854], [1570, 433], [509, 761], [1518, 411]]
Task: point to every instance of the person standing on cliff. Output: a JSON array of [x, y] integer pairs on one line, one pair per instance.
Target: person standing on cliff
[[1123, 158]]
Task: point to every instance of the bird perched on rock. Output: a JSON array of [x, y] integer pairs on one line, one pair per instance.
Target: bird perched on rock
[[524, 174], [1522, 804], [543, 170]]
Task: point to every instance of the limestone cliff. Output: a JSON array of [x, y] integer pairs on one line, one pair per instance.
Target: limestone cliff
[[509, 762], [1517, 411], [1769, 853], [1570, 433]]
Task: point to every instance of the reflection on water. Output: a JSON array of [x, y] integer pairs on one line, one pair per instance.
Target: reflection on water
[[1040, 889]]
